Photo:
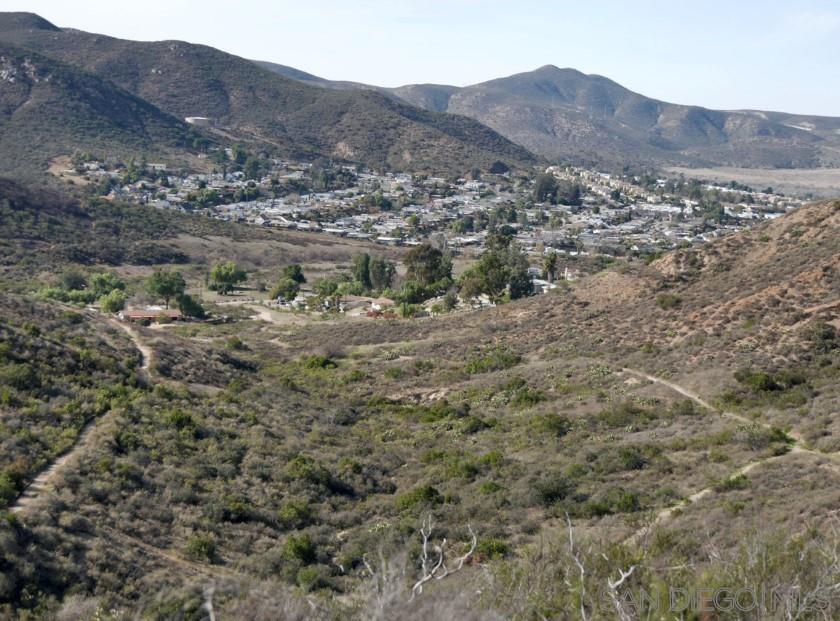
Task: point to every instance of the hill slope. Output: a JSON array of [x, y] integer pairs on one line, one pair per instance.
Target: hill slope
[[299, 120], [551, 109], [567, 114], [48, 108], [269, 454]]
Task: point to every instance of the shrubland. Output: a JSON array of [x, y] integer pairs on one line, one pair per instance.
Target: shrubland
[[284, 470]]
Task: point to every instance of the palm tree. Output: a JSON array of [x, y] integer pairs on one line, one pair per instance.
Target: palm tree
[[550, 266]]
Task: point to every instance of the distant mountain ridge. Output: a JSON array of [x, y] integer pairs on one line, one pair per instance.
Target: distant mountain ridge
[[563, 113], [559, 114], [254, 104]]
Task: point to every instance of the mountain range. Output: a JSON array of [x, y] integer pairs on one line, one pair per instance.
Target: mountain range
[[176, 80], [63, 89], [565, 114]]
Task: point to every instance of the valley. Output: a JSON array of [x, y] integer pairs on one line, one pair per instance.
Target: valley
[[274, 347], [337, 435]]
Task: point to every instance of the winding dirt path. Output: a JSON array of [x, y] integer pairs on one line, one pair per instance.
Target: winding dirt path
[[686, 393], [43, 481], [146, 352], [211, 571], [796, 447]]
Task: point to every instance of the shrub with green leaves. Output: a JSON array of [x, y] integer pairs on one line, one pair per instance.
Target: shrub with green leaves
[[294, 513], [299, 549], [112, 302], [304, 468], [625, 414], [312, 577], [494, 359], [735, 482], [613, 500], [668, 301], [551, 424], [422, 496], [552, 488], [621, 459], [758, 437], [181, 420], [320, 362], [201, 548], [492, 548]]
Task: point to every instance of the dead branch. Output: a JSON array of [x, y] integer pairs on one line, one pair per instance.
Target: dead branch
[[208, 602], [576, 558], [613, 592], [439, 570]]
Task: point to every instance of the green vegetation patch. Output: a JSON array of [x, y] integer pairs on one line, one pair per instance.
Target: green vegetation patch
[[495, 358]]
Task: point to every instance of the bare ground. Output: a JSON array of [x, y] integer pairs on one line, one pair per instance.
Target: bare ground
[[821, 182]]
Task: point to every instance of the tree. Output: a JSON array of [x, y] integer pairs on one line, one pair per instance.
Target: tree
[[550, 266], [73, 281], [225, 276], [295, 272], [112, 302], [464, 224], [104, 283], [450, 300], [239, 154], [189, 306], [545, 188], [326, 287], [569, 193], [519, 280], [166, 285], [252, 168], [502, 268], [493, 273], [361, 269], [382, 273], [383, 203], [499, 168], [413, 222], [471, 285], [285, 288], [427, 265], [412, 293]]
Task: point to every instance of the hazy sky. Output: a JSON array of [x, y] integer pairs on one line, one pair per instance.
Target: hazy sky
[[763, 54]]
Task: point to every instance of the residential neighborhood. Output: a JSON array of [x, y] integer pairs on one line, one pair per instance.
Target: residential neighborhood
[[608, 214]]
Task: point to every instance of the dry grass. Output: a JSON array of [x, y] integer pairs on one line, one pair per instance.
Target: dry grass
[[819, 182]]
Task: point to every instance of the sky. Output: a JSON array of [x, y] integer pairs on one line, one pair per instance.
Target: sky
[[733, 54]]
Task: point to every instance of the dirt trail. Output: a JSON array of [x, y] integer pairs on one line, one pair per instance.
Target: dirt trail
[[43, 482], [687, 393], [797, 447], [146, 352], [212, 571]]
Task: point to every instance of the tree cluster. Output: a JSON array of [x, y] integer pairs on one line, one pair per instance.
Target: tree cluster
[[501, 270], [549, 189]]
